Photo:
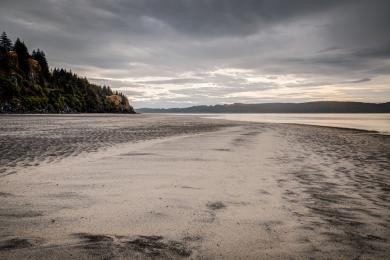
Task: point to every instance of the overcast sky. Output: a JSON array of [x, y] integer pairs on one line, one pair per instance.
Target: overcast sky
[[177, 53]]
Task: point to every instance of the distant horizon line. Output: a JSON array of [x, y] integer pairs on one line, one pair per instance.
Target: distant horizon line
[[262, 103]]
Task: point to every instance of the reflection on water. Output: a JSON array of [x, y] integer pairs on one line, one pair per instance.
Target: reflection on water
[[375, 122]]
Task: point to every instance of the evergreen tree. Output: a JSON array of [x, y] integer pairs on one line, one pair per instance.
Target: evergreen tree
[[40, 56], [23, 56], [5, 42]]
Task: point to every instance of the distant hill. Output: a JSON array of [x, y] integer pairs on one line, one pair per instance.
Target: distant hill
[[28, 86], [308, 107]]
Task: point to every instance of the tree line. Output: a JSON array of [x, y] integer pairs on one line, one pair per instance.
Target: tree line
[[28, 85]]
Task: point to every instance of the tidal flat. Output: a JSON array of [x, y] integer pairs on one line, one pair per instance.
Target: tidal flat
[[156, 186]]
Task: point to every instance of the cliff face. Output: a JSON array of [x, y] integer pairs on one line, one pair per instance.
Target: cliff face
[[25, 89], [120, 102], [34, 69], [13, 59]]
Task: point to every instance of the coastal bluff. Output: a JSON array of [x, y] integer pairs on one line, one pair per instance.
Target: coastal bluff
[[27, 85]]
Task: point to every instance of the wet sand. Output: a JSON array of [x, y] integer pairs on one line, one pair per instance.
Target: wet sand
[[161, 186]]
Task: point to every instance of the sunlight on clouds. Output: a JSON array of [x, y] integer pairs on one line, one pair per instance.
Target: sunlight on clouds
[[233, 72], [288, 93], [277, 79]]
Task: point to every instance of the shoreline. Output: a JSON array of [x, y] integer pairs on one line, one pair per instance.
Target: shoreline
[[235, 190], [384, 131], [201, 116]]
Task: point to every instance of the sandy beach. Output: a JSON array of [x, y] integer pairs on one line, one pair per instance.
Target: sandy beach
[[165, 186]]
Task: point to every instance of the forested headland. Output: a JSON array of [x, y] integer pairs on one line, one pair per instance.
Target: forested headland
[[27, 85]]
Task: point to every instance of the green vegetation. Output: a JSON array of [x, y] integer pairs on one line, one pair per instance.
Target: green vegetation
[[27, 85]]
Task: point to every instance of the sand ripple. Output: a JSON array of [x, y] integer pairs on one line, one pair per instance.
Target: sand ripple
[[28, 140], [342, 177]]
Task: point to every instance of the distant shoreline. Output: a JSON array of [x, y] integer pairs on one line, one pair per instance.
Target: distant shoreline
[[194, 113], [307, 107]]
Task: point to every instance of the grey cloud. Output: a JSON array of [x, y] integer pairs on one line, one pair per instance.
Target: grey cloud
[[360, 80], [214, 17], [174, 81], [133, 93], [331, 41], [361, 25], [377, 51]]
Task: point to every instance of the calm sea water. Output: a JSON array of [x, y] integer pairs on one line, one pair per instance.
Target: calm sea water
[[376, 122]]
